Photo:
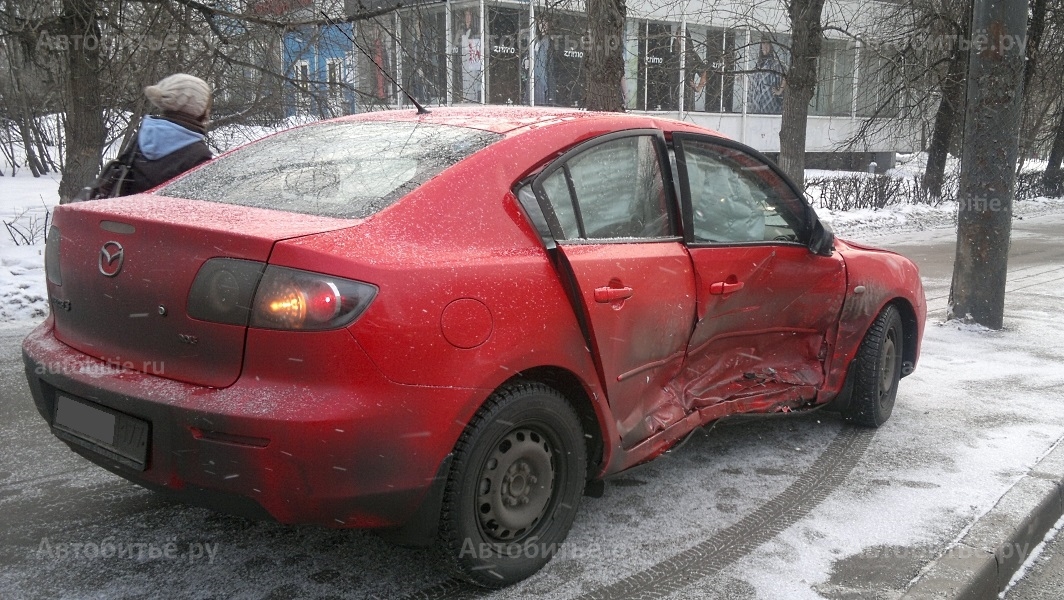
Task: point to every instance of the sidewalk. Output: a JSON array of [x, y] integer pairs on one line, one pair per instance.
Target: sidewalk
[[981, 561]]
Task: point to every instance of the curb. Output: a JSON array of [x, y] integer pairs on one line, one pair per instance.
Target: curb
[[980, 565]]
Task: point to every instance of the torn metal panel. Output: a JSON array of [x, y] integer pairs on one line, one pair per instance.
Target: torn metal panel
[[767, 336]]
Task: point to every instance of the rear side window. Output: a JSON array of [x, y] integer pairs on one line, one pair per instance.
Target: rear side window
[[347, 170], [613, 190]]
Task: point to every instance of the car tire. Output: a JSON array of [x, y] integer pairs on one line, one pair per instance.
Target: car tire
[[877, 370], [514, 486]]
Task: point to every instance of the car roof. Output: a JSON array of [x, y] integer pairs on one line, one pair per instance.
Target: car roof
[[511, 120]]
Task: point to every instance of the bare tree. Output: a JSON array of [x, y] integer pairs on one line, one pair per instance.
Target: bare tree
[[84, 124], [604, 55], [1054, 176], [102, 53], [807, 34], [952, 20]]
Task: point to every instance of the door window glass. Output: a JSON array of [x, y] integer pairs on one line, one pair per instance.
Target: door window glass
[[735, 197], [557, 189], [619, 192]]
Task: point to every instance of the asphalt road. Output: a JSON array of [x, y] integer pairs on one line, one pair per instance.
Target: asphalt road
[[717, 518]]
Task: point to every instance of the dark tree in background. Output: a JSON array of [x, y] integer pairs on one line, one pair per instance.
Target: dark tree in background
[[807, 34], [988, 162], [954, 18], [85, 130], [1054, 176], [604, 57]]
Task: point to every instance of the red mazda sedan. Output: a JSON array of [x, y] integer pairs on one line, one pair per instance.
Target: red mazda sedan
[[449, 326]]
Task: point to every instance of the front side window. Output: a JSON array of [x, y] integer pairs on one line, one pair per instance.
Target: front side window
[[345, 169], [734, 197], [612, 190]]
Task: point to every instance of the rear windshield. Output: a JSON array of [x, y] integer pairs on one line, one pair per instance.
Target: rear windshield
[[347, 170]]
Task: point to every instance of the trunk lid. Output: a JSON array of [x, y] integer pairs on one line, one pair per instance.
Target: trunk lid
[[127, 266]]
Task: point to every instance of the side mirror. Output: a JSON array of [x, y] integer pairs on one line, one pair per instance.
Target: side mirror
[[821, 239]]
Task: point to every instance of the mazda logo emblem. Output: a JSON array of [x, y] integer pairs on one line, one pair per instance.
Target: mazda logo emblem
[[111, 257]]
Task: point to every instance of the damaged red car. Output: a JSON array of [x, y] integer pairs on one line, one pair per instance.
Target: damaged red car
[[450, 326]]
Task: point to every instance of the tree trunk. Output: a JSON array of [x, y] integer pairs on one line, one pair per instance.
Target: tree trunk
[[28, 146], [1035, 31], [1034, 40], [604, 55], [988, 164], [85, 130], [42, 148], [807, 35], [949, 110], [1054, 177]]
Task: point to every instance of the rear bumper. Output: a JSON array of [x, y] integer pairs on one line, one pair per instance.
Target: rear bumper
[[308, 434]]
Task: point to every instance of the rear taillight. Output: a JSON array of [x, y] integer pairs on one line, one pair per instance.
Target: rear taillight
[[51, 257], [294, 299], [223, 290], [245, 292]]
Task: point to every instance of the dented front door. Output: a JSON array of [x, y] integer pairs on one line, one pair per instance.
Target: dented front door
[[767, 306], [611, 210]]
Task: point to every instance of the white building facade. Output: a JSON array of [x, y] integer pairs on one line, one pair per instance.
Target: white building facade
[[718, 64]]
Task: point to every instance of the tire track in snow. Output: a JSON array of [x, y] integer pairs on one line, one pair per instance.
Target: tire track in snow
[[709, 557]]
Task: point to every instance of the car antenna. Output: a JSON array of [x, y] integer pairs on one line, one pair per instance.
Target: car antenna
[[421, 110]]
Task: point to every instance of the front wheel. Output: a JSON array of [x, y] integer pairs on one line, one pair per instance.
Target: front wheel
[[514, 486], [877, 370]]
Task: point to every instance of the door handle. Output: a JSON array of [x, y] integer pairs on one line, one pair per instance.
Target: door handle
[[606, 295], [728, 286]]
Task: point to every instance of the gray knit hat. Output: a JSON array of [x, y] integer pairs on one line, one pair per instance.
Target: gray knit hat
[[181, 93]]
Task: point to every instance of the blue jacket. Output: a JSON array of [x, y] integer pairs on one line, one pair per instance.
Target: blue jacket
[[159, 137], [166, 147]]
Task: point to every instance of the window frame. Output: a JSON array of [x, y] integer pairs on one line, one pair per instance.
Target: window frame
[[664, 168], [807, 220]]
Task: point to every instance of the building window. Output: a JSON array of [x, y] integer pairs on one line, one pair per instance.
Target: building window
[[302, 82], [834, 90], [769, 57], [880, 77], [334, 75], [660, 47], [507, 48], [423, 52], [557, 57], [376, 62], [709, 68], [467, 54]]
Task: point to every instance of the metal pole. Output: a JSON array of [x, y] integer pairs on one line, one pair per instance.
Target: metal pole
[[449, 50], [533, 39], [485, 52]]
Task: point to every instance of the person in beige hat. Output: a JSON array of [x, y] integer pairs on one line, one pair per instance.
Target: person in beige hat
[[172, 142]]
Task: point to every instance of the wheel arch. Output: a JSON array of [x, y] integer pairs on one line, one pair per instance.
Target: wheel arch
[[421, 530], [591, 419], [911, 332], [839, 400]]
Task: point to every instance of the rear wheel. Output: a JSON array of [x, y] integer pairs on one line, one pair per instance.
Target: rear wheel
[[514, 486], [877, 371]]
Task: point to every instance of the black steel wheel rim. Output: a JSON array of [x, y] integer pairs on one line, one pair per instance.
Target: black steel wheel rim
[[516, 485]]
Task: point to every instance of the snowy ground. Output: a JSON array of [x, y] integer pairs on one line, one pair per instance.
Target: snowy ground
[[25, 203]]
